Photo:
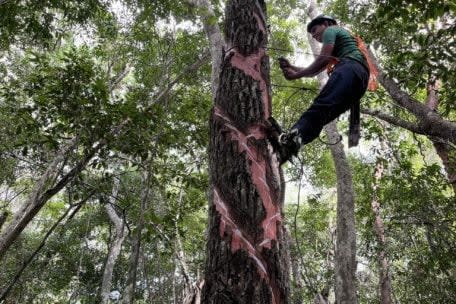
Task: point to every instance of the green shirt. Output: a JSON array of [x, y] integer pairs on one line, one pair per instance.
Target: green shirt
[[344, 44]]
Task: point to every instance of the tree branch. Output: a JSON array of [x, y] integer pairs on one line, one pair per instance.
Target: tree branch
[[43, 242], [113, 83], [413, 127], [193, 67], [430, 122]]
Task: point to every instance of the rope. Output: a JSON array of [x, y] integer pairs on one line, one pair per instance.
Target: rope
[[305, 276], [295, 87], [282, 50], [329, 143]]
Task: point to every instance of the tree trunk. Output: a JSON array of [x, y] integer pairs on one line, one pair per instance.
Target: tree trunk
[[447, 156], [295, 271], [385, 280], [116, 245], [3, 217], [74, 209], [136, 242], [191, 290], [345, 262], [214, 36], [246, 260], [41, 193]]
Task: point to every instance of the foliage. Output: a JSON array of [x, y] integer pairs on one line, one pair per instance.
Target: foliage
[[85, 68]]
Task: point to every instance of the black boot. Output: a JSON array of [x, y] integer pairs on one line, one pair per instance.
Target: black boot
[[285, 144], [290, 142]]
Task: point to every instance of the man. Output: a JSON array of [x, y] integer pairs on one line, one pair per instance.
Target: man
[[346, 85]]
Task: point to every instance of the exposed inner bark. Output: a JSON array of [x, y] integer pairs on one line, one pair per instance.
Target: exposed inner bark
[[246, 253]]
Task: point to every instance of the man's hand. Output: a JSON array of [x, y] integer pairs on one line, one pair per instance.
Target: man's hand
[[284, 63], [289, 73]]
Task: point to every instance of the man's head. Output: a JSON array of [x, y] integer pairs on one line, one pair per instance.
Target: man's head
[[317, 26]]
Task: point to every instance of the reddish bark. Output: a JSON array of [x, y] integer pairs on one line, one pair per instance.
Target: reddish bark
[[246, 247]]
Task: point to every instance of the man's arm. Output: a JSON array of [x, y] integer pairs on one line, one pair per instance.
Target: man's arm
[[291, 72]]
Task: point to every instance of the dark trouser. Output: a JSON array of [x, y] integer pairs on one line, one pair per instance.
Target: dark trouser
[[345, 87]]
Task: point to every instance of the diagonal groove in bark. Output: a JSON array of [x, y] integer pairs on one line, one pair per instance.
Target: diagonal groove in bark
[[258, 175], [244, 246]]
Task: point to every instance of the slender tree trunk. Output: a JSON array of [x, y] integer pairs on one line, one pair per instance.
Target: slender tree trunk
[[385, 280], [214, 36], [116, 245], [345, 263], [191, 291], [41, 193], [3, 217], [136, 242], [294, 271], [246, 249], [74, 209]]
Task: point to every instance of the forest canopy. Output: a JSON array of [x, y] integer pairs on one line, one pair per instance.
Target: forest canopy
[[104, 135]]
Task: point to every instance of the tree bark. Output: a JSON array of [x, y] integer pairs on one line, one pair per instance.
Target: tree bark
[[246, 249], [41, 193], [116, 245], [447, 156], [136, 242], [214, 36], [345, 261], [385, 280], [3, 217]]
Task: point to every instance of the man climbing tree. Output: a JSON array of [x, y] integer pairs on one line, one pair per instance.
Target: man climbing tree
[[342, 54]]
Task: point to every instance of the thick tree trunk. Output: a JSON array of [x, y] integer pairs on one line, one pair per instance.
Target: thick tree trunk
[[116, 245], [136, 242], [345, 262], [246, 249]]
